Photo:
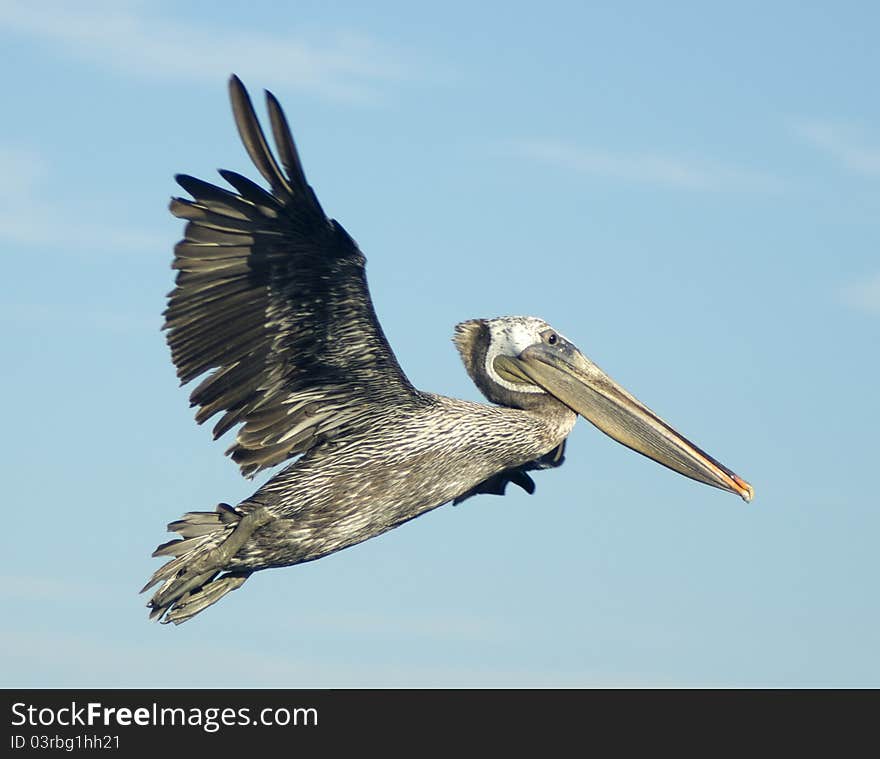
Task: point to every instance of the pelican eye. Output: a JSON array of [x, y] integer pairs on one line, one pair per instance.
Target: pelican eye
[[552, 339]]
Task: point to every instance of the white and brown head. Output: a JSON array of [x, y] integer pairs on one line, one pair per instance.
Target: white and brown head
[[522, 362]]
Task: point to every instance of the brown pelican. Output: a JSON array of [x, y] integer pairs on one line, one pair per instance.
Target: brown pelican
[[271, 295]]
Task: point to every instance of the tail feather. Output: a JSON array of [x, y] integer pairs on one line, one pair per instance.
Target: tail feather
[[192, 602], [197, 523], [194, 579], [178, 547]]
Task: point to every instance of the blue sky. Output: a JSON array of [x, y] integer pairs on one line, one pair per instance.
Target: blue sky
[[690, 194]]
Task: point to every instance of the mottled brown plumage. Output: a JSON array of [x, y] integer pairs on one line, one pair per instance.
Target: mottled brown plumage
[[271, 298]]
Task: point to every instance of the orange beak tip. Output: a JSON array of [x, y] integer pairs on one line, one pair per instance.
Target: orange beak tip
[[746, 491]]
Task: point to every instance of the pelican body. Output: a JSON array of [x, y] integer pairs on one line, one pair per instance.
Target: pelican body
[[271, 301]]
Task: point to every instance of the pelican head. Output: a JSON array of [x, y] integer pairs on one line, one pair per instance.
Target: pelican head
[[521, 361]]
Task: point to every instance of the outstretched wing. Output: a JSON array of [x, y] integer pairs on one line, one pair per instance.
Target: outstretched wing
[[273, 297]]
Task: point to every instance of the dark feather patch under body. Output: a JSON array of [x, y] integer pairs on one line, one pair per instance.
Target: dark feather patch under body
[[518, 475]]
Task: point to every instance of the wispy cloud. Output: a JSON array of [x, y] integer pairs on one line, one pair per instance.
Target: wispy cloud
[[686, 173], [342, 65], [864, 295], [28, 217], [844, 144]]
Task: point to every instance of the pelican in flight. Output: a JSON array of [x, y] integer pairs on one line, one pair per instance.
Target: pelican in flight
[[271, 301]]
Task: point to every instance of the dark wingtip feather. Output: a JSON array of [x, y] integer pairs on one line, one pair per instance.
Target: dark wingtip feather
[[236, 87], [286, 145], [254, 140]]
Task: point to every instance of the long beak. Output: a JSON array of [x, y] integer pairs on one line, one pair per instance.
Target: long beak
[[564, 372]]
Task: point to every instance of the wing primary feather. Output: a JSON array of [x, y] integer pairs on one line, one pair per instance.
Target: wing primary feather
[[253, 138], [186, 253], [286, 145], [250, 190], [194, 232], [216, 198], [195, 211], [186, 310]]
